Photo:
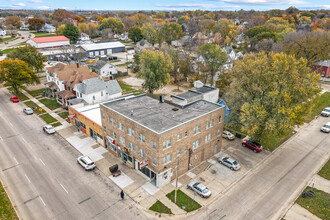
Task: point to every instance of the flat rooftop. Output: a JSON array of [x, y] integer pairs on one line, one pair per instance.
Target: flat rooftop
[[90, 111], [159, 117]]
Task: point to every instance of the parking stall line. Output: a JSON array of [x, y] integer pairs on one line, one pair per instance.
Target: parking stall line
[[64, 188]]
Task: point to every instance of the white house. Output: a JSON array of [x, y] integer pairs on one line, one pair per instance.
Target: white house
[[103, 68], [48, 28], [84, 39], [48, 42], [24, 25], [96, 90], [2, 32]]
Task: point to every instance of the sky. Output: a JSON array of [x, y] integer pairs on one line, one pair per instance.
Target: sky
[[162, 5]]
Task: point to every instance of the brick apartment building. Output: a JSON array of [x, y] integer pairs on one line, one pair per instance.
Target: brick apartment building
[[151, 134]]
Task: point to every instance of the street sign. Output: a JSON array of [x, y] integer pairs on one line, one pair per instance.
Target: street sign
[[71, 116], [144, 164]]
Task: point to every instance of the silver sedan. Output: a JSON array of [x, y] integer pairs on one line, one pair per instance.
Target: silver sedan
[[228, 162], [200, 189]]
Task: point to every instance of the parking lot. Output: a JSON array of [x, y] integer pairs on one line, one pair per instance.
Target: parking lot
[[218, 177]]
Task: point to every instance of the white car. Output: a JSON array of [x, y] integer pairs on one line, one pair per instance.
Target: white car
[[326, 112], [200, 189], [49, 129], [86, 162], [28, 111], [228, 135], [228, 162], [326, 128]]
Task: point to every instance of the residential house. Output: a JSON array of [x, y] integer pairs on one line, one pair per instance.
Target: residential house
[[2, 32], [102, 49], [48, 28], [95, 90], [232, 56], [84, 39], [151, 135], [24, 25], [323, 68], [142, 45], [103, 68], [61, 80]]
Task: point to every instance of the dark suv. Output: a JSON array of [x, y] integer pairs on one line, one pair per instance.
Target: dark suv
[[252, 145]]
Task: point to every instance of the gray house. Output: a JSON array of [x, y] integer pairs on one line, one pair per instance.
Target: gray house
[[103, 68], [103, 49]]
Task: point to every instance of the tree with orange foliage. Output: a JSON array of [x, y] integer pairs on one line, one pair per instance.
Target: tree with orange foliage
[[79, 19], [36, 23]]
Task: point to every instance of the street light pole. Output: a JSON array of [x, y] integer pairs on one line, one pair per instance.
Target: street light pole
[[176, 181]]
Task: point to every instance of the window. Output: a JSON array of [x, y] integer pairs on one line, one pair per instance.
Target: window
[[219, 132], [131, 146], [208, 138], [209, 124], [113, 135], [196, 144], [167, 144], [179, 137], [121, 140], [104, 129], [93, 97], [186, 134], [220, 119], [120, 126], [197, 129], [101, 93], [154, 145], [103, 116], [185, 148], [154, 160], [178, 152], [142, 153], [142, 138], [91, 54], [112, 122], [167, 159], [130, 132]]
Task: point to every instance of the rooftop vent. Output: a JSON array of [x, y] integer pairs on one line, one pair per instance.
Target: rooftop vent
[[161, 99], [175, 109]]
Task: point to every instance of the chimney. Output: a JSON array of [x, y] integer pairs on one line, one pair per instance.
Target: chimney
[[161, 98], [77, 65]]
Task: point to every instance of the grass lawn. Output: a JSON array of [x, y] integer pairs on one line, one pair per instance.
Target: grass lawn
[[47, 118], [160, 208], [128, 89], [44, 35], [324, 101], [184, 200], [272, 141], [319, 204], [325, 171], [5, 51], [6, 209], [56, 124], [114, 61], [50, 103], [35, 93], [22, 97], [31, 105], [63, 115]]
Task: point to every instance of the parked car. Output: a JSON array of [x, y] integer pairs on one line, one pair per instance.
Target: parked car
[[14, 99], [200, 189], [28, 111], [228, 135], [326, 128], [86, 162], [252, 145], [22, 37], [114, 170], [229, 162], [326, 112], [49, 129]]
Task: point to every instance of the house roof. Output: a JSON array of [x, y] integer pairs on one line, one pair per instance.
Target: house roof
[[65, 94], [324, 63], [100, 46], [71, 74], [93, 85], [99, 64], [49, 39]]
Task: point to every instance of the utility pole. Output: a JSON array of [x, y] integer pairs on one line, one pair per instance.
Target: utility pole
[[176, 181]]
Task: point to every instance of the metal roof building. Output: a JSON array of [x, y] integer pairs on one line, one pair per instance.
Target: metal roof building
[[101, 49]]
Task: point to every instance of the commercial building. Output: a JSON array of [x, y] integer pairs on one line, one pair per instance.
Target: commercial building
[[48, 42], [152, 135], [103, 49]]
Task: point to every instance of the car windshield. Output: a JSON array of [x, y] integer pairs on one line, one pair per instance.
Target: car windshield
[[205, 190], [235, 163], [91, 163], [326, 110], [326, 126], [49, 127]]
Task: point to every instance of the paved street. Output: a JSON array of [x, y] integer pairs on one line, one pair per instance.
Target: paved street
[[268, 191], [42, 177], [24, 34]]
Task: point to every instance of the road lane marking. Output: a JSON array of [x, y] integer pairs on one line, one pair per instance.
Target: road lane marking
[[27, 178], [42, 162], [24, 140], [64, 189], [1, 138], [42, 200], [15, 161]]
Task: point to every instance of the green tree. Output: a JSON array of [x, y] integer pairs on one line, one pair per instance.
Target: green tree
[[71, 32], [135, 34], [312, 46], [213, 57], [154, 69], [183, 19], [36, 23], [60, 30], [30, 55], [171, 32], [115, 24], [269, 94], [149, 33], [16, 74]]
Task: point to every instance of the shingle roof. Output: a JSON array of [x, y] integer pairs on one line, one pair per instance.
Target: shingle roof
[[49, 39], [98, 65], [324, 63], [93, 85]]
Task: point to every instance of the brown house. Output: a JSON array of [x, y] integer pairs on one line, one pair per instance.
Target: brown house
[[152, 135]]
